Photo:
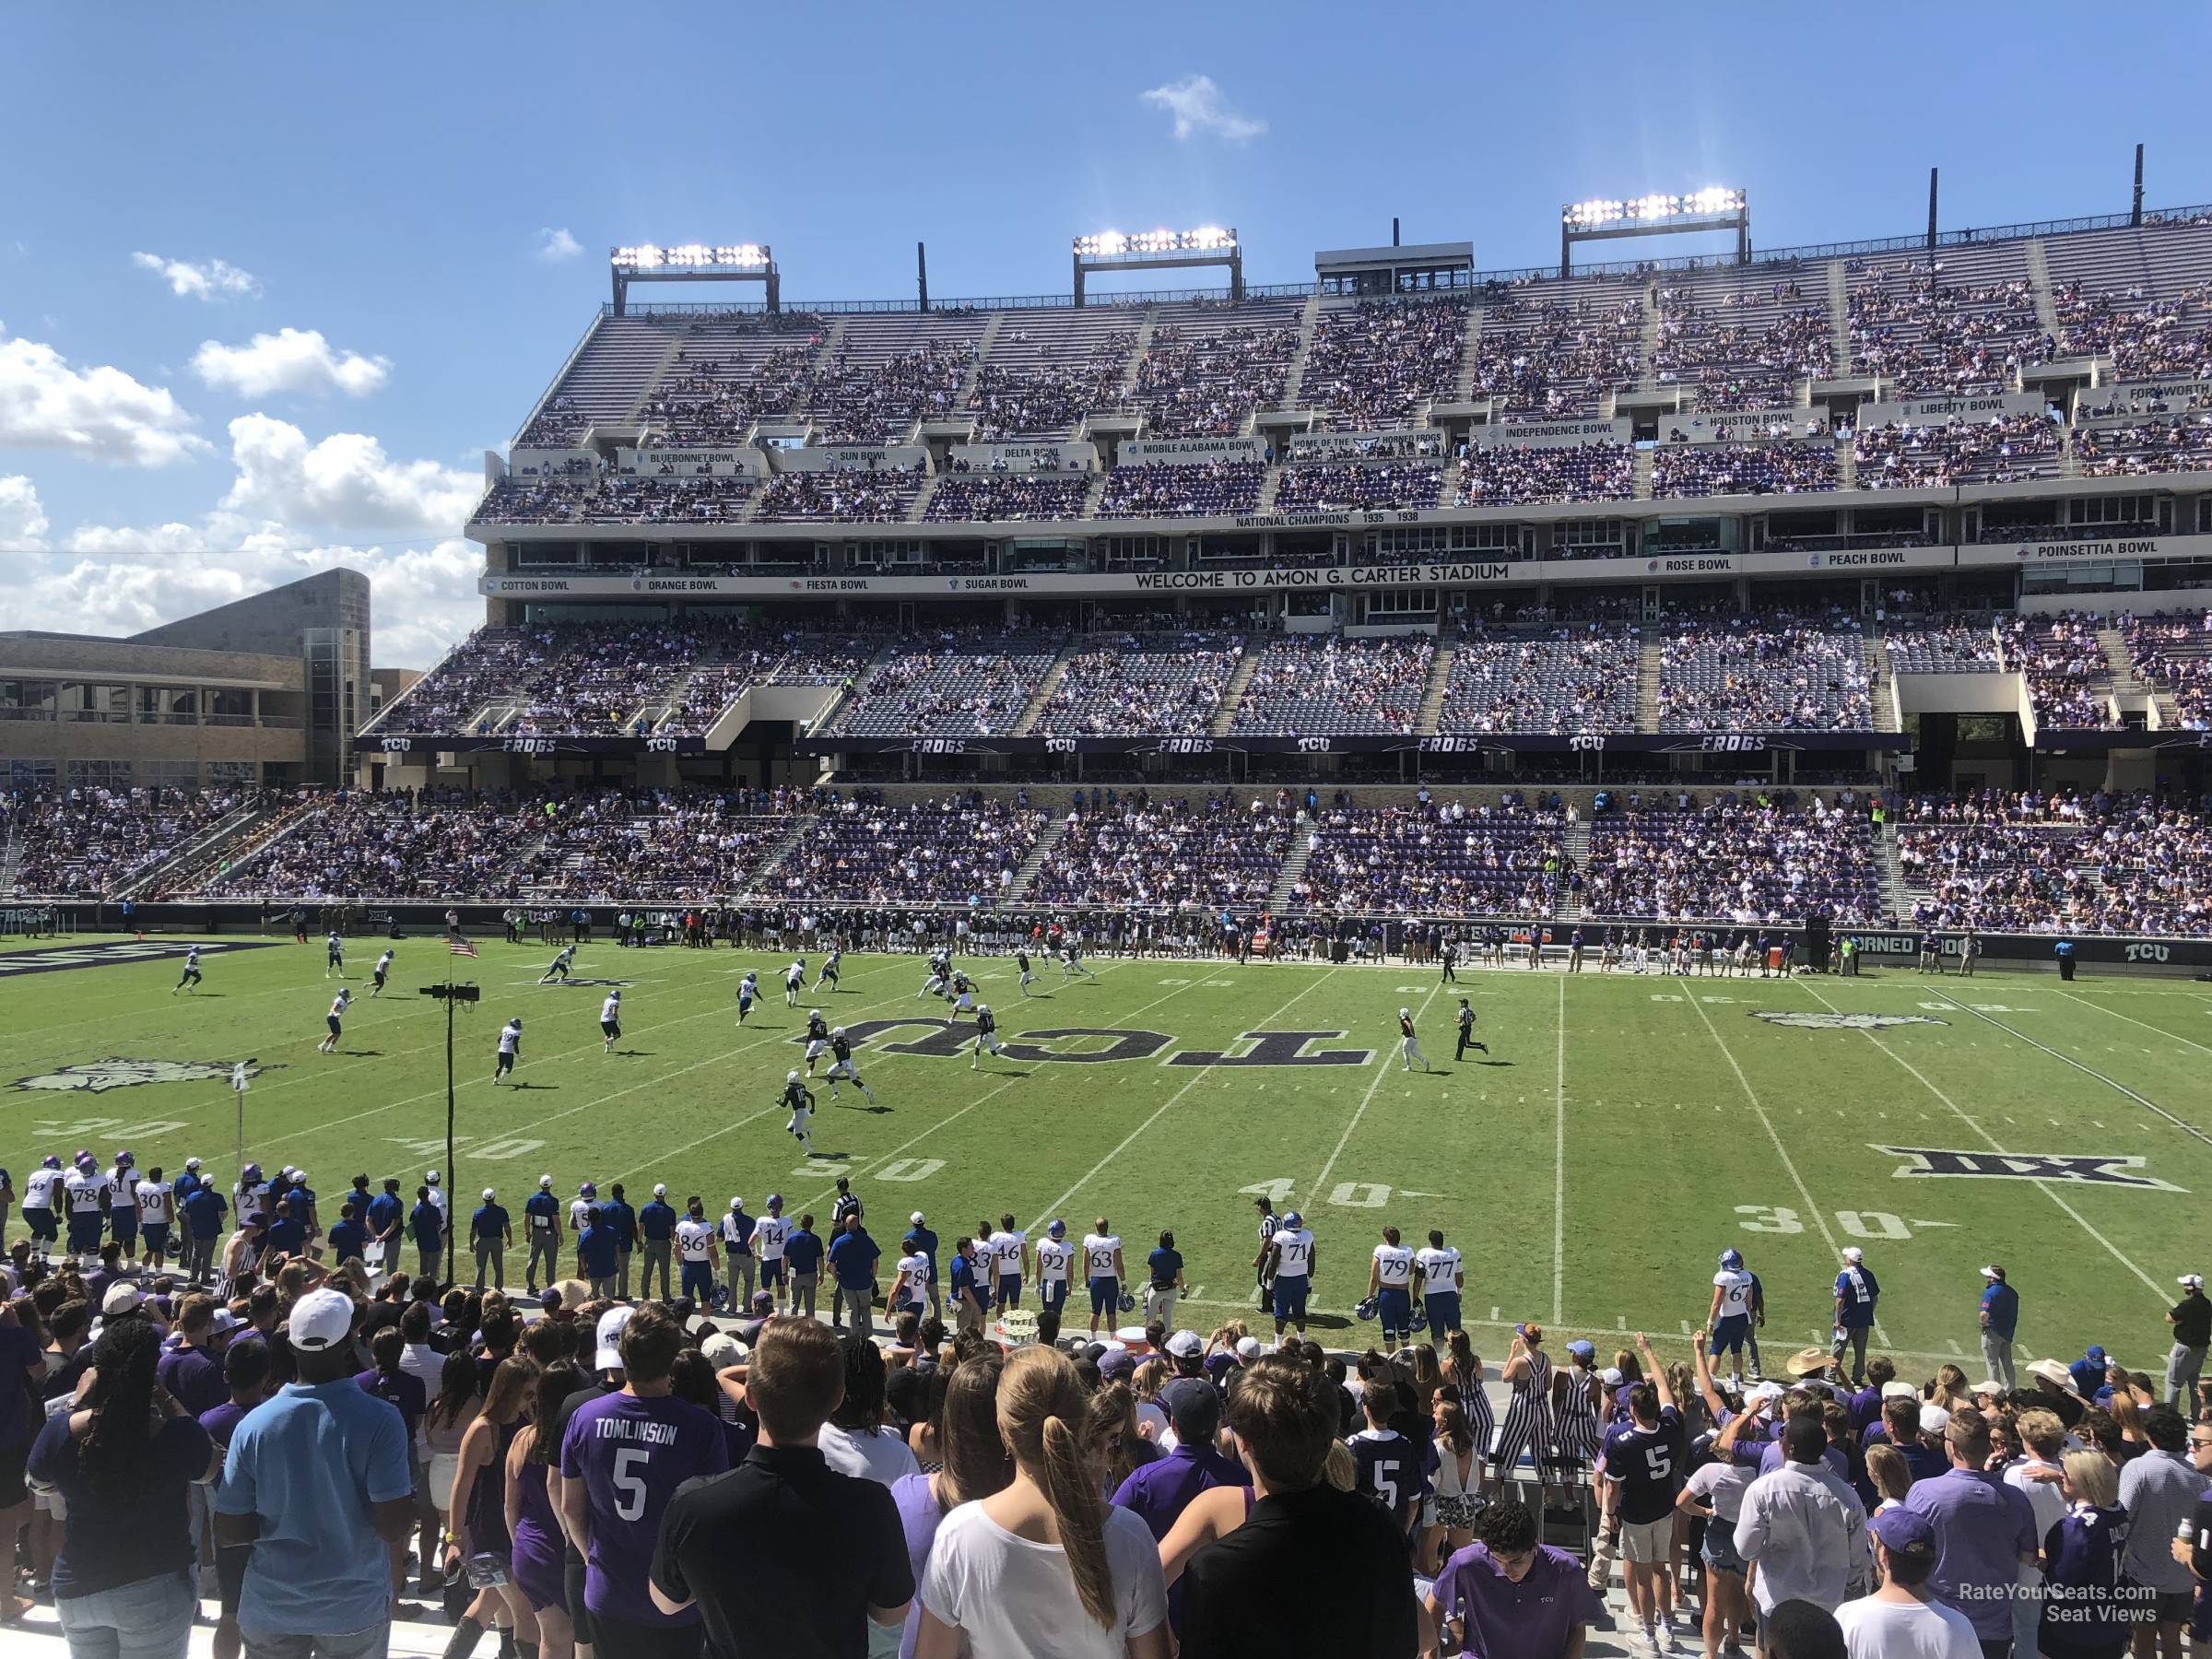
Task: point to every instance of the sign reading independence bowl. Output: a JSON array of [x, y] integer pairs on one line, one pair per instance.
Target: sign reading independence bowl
[[1547, 434]]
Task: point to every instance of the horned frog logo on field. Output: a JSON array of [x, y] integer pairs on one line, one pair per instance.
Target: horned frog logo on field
[[1808, 1020], [96, 1076]]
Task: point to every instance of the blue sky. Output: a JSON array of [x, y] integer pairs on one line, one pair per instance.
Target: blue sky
[[384, 183]]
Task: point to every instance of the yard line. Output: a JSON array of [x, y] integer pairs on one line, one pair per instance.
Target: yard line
[[2160, 1030], [1558, 1171], [1804, 1192], [2149, 1105], [2048, 1190], [1159, 1111], [1360, 1111]]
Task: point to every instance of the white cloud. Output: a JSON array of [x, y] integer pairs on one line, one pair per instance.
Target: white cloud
[[555, 245], [215, 280], [22, 519], [1200, 111], [344, 482], [101, 414], [291, 359]]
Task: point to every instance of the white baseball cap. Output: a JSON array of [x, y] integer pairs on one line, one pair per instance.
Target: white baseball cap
[[1899, 1391], [660, 1191], [1852, 1252], [1248, 1347], [191, 1163], [546, 1181], [431, 1176], [609, 1338], [737, 1204], [121, 1299], [915, 1218], [487, 1195], [1993, 1272], [2194, 1281], [321, 1319], [1185, 1344]]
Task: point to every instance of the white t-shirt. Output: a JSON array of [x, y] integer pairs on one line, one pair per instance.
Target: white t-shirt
[[769, 1234], [1722, 1485], [2043, 1496], [1053, 1258], [1099, 1250], [1880, 1629], [1014, 1599], [692, 1239], [881, 1456], [1734, 1286], [1439, 1268], [1394, 1266], [1294, 1254]]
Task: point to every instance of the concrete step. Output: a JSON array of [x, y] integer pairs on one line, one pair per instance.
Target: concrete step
[[2039, 287], [1233, 693], [1294, 381], [1045, 687], [1294, 867], [1432, 695], [1025, 873], [1647, 686], [1839, 316], [1576, 848], [1463, 390]]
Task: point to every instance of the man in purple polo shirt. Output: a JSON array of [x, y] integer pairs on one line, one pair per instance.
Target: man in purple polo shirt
[[623, 1457], [1507, 1596], [1158, 1493], [1984, 1533]]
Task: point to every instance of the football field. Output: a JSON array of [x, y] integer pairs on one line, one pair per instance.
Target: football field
[[1624, 1129]]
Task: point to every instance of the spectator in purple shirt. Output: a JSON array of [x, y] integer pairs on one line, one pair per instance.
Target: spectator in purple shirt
[[1506, 1596], [192, 1371], [1984, 1533], [1158, 1493]]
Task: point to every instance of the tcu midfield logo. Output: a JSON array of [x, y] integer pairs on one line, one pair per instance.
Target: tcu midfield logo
[[96, 1076], [1806, 1020]]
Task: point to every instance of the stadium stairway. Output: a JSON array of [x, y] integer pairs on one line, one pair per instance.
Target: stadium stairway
[[198, 854], [1470, 363], [836, 705], [1294, 383], [1293, 870], [237, 848], [1886, 715], [1847, 464], [1045, 687], [1567, 907], [636, 412], [1025, 873], [11, 860], [1233, 693], [1647, 346], [2039, 285], [1647, 686], [1136, 362], [1440, 681], [1839, 317], [757, 881], [1897, 898], [975, 369], [1270, 481], [1643, 474], [919, 512], [2126, 682]]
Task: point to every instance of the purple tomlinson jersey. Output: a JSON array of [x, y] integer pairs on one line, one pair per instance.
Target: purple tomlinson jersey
[[1641, 1462], [631, 1455]]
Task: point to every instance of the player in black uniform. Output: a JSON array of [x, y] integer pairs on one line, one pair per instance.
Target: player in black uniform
[[987, 1023], [841, 1060], [817, 1037], [1021, 965]]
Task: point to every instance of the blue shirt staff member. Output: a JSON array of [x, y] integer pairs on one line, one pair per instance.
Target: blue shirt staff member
[[970, 1292], [1856, 1292], [2000, 1318], [2063, 951], [656, 1224], [490, 1234], [920, 1240]]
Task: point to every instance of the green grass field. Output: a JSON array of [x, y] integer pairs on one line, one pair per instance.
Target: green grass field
[[1627, 1128]]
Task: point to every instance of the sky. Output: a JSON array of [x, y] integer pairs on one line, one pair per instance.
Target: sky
[[275, 277]]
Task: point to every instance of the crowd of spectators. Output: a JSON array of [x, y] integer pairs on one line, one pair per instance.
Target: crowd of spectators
[[2173, 652], [1528, 475], [1764, 673], [2002, 450], [2146, 339], [2063, 863], [1718, 469], [1943, 648], [1301, 689], [615, 497], [950, 683], [669, 845], [1733, 859], [849, 496], [1152, 683], [1735, 362], [878, 400], [1211, 854], [1447, 859], [1211, 488], [1561, 681], [352, 844], [1003, 496], [1929, 337], [940, 852], [1372, 364], [94, 840], [708, 401], [2069, 678], [1554, 360], [2170, 443], [1323, 487], [1199, 384], [1051, 396]]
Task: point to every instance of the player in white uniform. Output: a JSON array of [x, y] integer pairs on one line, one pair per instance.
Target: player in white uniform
[[157, 1219], [559, 969], [42, 1207], [940, 970], [1729, 1317], [696, 1256], [1409, 1048], [840, 1062], [769, 1234], [1295, 1258], [338, 1006], [1437, 1274], [383, 965], [748, 993], [1008, 1249], [830, 964], [191, 971], [334, 956], [795, 979], [1054, 1257], [1102, 1267], [610, 1021], [801, 1101], [1390, 1282], [511, 1041], [909, 1290]]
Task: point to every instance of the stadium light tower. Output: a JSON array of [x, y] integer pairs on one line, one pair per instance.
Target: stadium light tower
[[1605, 219], [694, 262], [1159, 251]]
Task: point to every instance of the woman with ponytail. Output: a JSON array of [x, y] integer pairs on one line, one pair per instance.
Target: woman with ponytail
[[123, 1462], [975, 1466], [1044, 1569]]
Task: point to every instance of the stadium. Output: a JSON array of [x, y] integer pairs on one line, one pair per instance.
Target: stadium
[[1770, 690]]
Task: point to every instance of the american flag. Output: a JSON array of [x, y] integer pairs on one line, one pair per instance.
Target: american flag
[[461, 947]]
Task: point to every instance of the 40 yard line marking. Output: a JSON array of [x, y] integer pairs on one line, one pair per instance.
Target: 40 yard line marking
[[1160, 1110], [1321, 1181], [1558, 1171], [2049, 1192], [2160, 1030]]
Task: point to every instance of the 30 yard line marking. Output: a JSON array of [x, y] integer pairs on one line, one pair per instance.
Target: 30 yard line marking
[[2170, 1036], [1321, 1181], [1558, 1171], [2050, 1192], [1159, 1111]]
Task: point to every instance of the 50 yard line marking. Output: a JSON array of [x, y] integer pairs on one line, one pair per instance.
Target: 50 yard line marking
[[2049, 1192], [1160, 1110]]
